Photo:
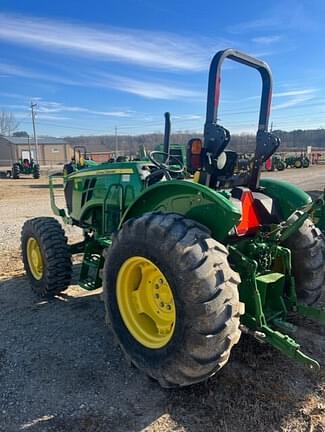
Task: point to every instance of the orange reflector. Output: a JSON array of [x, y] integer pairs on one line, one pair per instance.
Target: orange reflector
[[196, 146], [250, 220]]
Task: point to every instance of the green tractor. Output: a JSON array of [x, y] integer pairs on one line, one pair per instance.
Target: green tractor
[[79, 160], [301, 161], [188, 265], [275, 163], [26, 166]]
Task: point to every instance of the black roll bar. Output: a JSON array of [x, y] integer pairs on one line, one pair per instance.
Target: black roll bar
[[214, 85]]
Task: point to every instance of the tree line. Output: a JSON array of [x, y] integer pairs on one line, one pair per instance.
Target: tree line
[[129, 144]]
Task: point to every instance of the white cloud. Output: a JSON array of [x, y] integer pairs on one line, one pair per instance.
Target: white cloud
[[7, 69], [147, 89], [295, 92], [293, 102], [267, 40], [146, 48], [55, 107], [257, 24], [187, 117], [301, 92], [144, 88]]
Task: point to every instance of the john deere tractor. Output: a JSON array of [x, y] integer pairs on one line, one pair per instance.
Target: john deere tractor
[[188, 264], [80, 160], [27, 166]]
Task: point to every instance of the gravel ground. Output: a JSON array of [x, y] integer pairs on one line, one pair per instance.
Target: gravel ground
[[60, 370]]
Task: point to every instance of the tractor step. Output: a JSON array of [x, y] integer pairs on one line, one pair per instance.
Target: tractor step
[[90, 271], [88, 284]]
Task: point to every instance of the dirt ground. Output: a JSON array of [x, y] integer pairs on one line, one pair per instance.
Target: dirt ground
[[61, 372]]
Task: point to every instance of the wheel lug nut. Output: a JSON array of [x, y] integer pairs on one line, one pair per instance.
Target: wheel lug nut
[[161, 281], [168, 307], [157, 295], [162, 304], [157, 286]]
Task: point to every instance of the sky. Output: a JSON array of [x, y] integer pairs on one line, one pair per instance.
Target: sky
[[93, 66]]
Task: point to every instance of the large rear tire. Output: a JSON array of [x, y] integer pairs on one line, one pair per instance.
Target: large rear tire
[[203, 294], [46, 256], [307, 247]]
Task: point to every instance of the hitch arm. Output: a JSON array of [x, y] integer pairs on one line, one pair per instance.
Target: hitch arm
[[287, 228], [289, 347]]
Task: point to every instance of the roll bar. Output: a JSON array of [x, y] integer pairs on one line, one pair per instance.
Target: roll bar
[[216, 137], [214, 85]]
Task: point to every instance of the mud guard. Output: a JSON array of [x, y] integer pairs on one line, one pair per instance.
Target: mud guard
[[288, 196], [193, 200]]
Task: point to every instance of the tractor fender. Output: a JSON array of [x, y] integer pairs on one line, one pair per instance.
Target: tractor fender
[[193, 200], [288, 196]]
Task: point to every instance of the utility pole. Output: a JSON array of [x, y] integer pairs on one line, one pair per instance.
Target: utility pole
[[116, 142], [29, 149], [34, 105]]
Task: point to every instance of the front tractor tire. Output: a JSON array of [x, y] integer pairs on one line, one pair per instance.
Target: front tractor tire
[[46, 256], [307, 251], [171, 298], [36, 172], [15, 171]]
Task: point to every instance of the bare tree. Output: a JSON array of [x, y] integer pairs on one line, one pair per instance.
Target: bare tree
[[8, 123]]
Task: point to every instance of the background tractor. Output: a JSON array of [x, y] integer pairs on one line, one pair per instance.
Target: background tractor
[[26, 166], [81, 159], [275, 163], [188, 264], [301, 161]]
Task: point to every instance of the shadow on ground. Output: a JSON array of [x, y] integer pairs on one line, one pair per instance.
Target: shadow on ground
[[60, 371], [44, 186]]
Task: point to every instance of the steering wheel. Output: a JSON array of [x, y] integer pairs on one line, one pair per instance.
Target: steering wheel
[[168, 164]]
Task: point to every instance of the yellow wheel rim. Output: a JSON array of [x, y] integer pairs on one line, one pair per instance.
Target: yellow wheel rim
[[146, 302], [34, 258]]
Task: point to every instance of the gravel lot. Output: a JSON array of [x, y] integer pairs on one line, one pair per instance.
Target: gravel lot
[[60, 370]]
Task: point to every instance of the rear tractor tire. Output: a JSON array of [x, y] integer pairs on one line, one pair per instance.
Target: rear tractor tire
[[171, 298], [280, 166], [37, 172], [298, 163], [307, 247], [46, 256]]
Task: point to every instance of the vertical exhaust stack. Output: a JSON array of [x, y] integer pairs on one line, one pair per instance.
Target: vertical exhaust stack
[[167, 133]]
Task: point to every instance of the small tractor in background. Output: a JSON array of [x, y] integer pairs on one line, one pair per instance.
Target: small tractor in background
[[188, 264], [301, 161], [275, 163], [26, 166], [80, 160]]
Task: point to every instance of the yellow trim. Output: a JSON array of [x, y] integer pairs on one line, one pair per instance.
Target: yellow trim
[[103, 172], [196, 177], [146, 302], [34, 258]]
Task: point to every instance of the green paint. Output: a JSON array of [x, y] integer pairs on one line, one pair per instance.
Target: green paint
[[192, 200], [288, 197], [102, 199]]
